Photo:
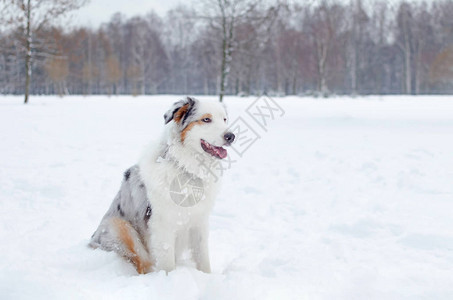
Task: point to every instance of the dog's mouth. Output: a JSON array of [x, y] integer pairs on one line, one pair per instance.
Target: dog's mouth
[[215, 151]]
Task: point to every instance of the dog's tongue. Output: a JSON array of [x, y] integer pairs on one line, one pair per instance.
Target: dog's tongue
[[214, 150], [219, 151]]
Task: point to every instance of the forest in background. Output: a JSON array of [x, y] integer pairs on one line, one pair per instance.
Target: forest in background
[[357, 47]]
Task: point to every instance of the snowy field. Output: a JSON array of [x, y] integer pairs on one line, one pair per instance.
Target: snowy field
[[339, 199]]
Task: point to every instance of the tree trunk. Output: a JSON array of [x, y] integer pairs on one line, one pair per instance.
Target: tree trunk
[[407, 56], [28, 44], [418, 66], [227, 40], [354, 48], [223, 67], [322, 82], [407, 62]]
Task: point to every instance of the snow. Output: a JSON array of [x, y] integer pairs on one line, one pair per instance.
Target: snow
[[340, 199]]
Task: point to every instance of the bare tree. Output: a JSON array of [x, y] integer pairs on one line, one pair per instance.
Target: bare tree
[[441, 71], [57, 68], [113, 73], [359, 21], [326, 24], [33, 16], [353, 46], [225, 16], [229, 13], [405, 42], [424, 44], [204, 55], [179, 35]]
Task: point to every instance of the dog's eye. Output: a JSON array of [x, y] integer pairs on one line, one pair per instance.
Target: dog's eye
[[225, 120], [206, 120]]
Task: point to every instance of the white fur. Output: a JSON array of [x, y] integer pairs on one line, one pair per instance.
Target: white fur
[[174, 228]]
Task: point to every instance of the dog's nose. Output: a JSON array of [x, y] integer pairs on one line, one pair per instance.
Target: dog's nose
[[229, 137]]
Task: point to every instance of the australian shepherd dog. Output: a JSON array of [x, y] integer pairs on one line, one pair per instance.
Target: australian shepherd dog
[[162, 208]]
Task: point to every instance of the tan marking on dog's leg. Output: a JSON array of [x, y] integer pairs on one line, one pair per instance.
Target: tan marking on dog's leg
[[126, 236], [191, 125]]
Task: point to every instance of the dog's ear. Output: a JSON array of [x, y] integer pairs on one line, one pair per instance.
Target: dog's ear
[[180, 110]]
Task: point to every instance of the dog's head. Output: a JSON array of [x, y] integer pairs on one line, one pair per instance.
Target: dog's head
[[202, 126]]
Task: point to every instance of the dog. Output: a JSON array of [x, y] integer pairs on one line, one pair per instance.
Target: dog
[[164, 202]]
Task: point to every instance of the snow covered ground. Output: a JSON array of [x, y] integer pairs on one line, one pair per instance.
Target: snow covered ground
[[339, 199]]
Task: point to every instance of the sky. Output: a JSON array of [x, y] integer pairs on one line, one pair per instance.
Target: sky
[[97, 12]]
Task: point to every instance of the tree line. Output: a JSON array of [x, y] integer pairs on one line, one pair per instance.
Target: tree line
[[241, 47]]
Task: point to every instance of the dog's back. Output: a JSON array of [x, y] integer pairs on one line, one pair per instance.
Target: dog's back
[[123, 228]]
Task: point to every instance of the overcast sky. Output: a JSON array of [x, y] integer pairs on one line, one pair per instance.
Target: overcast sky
[[99, 11]]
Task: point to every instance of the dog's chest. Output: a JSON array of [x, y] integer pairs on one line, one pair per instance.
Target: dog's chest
[[166, 210], [176, 196], [182, 200]]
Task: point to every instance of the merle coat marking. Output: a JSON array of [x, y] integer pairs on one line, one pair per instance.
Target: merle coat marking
[[143, 224]]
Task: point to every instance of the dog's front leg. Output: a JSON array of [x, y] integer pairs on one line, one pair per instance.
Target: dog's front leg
[[163, 249], [200, 250]]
